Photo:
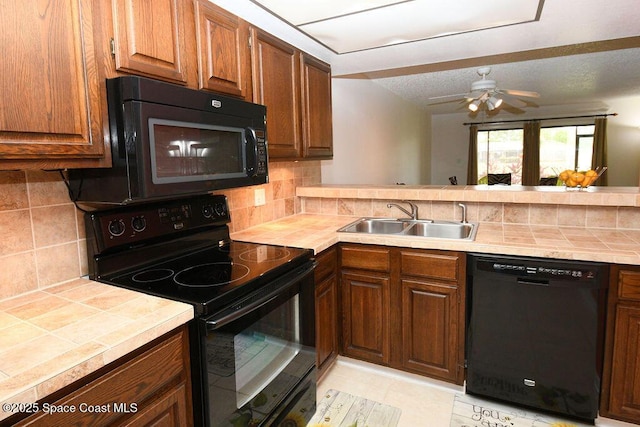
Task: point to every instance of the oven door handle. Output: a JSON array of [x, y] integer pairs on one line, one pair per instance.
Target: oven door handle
[[256, 301]]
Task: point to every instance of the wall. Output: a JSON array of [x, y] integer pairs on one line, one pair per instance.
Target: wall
[[449, 148], [623, 136], [43, 239], [378, 138]]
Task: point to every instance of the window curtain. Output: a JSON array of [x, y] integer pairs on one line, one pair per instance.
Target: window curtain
[[472, 165], [599, 157], [531, 153]]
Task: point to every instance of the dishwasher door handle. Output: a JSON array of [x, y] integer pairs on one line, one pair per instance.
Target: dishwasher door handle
[[533, 282]]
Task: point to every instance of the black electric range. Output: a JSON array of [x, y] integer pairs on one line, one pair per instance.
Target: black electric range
[[252, 341], [181, 250]]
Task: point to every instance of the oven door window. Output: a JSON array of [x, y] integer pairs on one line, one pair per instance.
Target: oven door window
[[254, 363], [264, 349], [183, 151]]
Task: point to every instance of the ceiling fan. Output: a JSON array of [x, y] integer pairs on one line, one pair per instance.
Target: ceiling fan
[[486, 91]]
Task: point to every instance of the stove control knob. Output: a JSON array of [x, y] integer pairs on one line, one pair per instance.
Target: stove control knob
[[116, 227], [221, 209], [138, 223], [207, 211]]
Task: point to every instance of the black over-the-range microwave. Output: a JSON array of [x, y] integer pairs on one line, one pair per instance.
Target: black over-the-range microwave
[[168, 141]]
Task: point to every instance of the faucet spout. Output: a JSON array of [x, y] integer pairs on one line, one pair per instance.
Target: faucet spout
[[414, 209], [464, 212]]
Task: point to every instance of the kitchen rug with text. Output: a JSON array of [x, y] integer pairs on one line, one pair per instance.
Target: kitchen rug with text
[[339, 409], [470, 411]]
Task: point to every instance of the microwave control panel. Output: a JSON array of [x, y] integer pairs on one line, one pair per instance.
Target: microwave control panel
[[261, 150]]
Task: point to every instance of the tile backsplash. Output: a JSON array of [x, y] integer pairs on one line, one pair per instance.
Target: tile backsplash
[[43, 238], [42, 232]]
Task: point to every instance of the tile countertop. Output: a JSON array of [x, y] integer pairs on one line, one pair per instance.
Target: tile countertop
[[54, 336], [319, 232]]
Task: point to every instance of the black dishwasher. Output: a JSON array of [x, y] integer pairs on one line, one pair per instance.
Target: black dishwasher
[[535, 332]]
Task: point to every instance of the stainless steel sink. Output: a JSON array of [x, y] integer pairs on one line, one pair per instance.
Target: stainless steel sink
[[444, 230], [376, 226], [417, 228]]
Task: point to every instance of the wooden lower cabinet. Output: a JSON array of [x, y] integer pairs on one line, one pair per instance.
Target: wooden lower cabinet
[[404, 308], [326, 304], [429, 329], [366, 317], [152, 388], [621, 374]]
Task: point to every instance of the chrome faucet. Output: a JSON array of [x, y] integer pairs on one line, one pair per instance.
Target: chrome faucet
[[414, 209], [464, 212]]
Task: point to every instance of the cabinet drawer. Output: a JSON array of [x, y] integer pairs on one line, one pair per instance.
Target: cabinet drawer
[[429, 265], [629, 285], [133, 387], [376, 259], [327, 264]]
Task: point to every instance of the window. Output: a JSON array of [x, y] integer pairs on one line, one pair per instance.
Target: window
[[500, 151], [565, 147], [561, 147]]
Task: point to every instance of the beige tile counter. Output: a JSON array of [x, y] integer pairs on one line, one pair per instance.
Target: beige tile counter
[[318, 232], [52, 337], [592, 196]]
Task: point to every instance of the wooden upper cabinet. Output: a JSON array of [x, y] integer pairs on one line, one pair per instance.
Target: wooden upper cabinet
[[50, 113], [224, 55], [276, 84], [149, 38], [316, 103]]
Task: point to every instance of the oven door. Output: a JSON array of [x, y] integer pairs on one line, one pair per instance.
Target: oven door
[[257, 358]]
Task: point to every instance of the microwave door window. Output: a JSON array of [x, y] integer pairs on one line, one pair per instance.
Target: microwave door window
[[183, 151]]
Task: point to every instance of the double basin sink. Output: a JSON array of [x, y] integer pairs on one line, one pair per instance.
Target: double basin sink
[[415, 228]]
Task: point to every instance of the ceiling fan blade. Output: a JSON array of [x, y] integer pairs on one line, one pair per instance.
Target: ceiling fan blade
[[449, 101], [524, 93], [457, 95], [511, 108]]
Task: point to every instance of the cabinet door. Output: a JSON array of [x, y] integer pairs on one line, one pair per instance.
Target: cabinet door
[[316, 106], [366, 316], [276, 84], [326, 322], [327, 315], [170, 410], [223, 51], [430, 329], [50, 115], [624, 401], [149, 38]]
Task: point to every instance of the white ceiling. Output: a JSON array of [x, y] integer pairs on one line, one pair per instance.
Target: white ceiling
[[350, 26], [558, 48]]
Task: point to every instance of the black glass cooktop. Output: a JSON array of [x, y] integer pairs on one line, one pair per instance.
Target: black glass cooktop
[[212, 277], [180, 249]]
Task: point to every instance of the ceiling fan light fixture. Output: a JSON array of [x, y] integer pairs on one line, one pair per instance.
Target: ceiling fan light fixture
[[474, 105], [493, 103]]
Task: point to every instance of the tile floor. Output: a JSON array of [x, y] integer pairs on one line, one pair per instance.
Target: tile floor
[[413, 394]]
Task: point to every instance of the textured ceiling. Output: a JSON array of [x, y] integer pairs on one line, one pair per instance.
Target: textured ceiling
[[581, 84]]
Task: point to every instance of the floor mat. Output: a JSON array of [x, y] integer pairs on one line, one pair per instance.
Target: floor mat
[[469, 411], [339, 409]]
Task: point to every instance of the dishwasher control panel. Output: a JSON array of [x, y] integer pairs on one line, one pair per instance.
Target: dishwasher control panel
[[542, 269]]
